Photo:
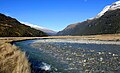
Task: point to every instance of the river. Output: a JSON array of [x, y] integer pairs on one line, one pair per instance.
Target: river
[[72, 55]]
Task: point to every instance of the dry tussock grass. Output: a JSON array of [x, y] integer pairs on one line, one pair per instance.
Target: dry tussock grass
[[12, 60], [106, 37]]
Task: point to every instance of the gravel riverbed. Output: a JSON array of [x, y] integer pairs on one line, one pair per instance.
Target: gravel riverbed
[[82, 56]]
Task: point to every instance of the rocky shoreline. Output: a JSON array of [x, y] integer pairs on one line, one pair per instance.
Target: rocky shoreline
[[82, 56], [80, 41]]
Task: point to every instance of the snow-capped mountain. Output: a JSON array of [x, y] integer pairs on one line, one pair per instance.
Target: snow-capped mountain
[[48, 31], [106, 22], [45, 30], [103, 11], [113, 6]]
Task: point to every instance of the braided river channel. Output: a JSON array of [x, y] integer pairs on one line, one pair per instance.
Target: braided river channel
[[72, 55]]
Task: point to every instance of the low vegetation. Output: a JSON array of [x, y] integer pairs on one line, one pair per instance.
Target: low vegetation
[[12, 60], [103, 37]]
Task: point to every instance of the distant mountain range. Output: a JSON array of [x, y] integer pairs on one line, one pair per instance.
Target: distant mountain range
[[106, 22], [10, 27], [48, 31], [45, 30]]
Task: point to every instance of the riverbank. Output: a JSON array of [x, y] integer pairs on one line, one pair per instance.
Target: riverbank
[[12, 60], [104, 37]]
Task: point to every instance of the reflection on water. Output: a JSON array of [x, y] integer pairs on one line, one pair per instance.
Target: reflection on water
[[61, 57]]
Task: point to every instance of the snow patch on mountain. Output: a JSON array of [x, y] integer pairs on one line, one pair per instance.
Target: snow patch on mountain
[[103, 11], [48, 31], [114, 6], [32, 25]]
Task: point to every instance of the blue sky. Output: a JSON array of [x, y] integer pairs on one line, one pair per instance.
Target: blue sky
[[52, 14]]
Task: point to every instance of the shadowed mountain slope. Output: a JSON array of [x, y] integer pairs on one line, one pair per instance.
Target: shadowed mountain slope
[[10, 27]]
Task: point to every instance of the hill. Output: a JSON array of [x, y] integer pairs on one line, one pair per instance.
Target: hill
[[10, 27]]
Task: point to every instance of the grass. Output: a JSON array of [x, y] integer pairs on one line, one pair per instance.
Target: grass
[[104, 37], [13, 60]]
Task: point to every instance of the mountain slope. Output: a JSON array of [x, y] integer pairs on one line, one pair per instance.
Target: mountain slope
[[10, 27], [113, 6], [45, 30], [48, 31], [106, 22]]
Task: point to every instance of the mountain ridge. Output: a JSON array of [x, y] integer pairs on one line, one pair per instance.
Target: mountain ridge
[[107, 23], [45, 30], [10, 27], [113, 6]]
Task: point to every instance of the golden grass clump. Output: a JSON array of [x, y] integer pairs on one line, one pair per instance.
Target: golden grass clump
[[12, 60]]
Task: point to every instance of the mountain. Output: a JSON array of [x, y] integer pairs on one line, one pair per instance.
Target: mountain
[[48, 31], [45, 30], [114, 6], [106, 22], [10, 27]]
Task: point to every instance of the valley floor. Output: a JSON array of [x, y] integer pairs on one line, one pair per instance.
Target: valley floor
[[12, 60], [104, 37]]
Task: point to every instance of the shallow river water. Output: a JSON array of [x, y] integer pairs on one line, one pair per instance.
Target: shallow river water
[[72, 56]]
